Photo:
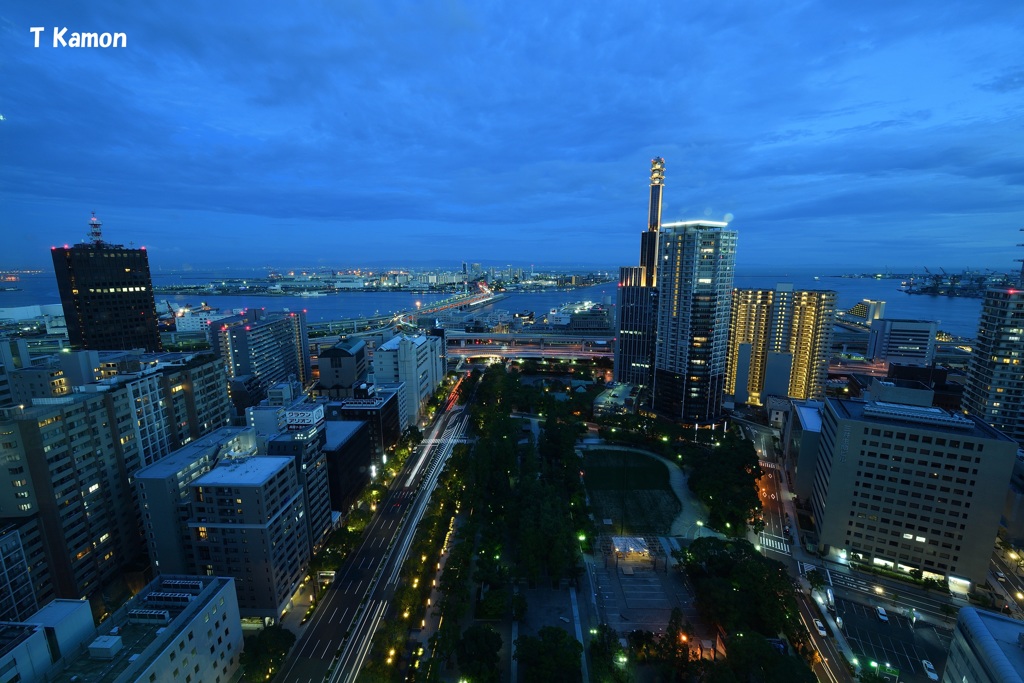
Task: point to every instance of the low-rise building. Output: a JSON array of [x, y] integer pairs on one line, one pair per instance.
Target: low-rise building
[[178, 629], [38, 647], [987, 647]]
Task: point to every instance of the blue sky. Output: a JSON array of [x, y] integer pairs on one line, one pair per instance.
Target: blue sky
[[839, 135]]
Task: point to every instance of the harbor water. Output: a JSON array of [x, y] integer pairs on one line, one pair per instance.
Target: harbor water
[[955, 315]]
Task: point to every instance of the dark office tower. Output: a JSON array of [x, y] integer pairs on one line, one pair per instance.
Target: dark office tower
[[634, 345], [637, 300], [696, 264], [995, 381], [107, 294]]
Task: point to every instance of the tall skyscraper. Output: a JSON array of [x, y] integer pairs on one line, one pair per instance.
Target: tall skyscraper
[[637, 296], [779, 343], [695, 268], [995, 381], [107, 294]]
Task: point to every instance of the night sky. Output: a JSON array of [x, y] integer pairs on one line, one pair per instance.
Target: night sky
[[835, 135]]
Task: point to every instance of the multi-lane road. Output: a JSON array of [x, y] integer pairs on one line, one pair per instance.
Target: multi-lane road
[[338, 637]]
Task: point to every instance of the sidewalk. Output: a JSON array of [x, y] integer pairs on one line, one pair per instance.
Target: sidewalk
[[301, 600]]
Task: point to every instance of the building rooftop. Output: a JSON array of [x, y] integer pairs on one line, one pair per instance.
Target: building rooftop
[[810, 416], [344, 347], [55, 611], [999, 637], [393, 343], [144, 637], [695, 224], [363, 403], [185, 456], [248, 471], [13, 635], [340, 431], [920, 417]]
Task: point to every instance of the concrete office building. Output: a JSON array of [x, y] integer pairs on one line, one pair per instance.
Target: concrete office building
[[342, 367], [417, 361], [380, 412], [270, 417], [779, 343], [800, 438], [995, 379], [907, 486], [406, 405], [197, 321], [304, 443], [908, 342], [217, 506], [260, 350], [987, 647], [696, 263], [164, 496], [247, 523], [107, 294], [349, 459], [178, 629]]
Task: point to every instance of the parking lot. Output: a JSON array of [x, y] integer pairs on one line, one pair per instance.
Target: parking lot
[[897, 642]]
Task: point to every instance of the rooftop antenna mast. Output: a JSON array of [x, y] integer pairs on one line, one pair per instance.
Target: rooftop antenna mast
[[95, 230]]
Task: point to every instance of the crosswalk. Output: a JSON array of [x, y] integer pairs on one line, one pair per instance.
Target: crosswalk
[[776, 544], [806, 567], [768, 464]]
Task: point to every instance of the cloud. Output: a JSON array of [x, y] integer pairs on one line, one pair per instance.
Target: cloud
[[423, 129]]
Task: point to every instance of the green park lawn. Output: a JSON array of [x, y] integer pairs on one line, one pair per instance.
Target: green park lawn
[[632, 490]]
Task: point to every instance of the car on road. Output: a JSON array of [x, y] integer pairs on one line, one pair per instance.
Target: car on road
[[929, 670], [1000, 576], [880, 612], [821, 628]]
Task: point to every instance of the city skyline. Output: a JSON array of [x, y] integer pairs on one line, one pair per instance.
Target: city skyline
[[839, 137]]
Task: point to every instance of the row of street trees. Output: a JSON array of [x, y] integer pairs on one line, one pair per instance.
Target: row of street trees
[[509, 503], [724, 477], [751, 598]]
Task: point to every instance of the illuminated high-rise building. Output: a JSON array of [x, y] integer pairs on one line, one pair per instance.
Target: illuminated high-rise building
[[995, 381], [637, 296], [107, 294], [695, 268], [779, 342]]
